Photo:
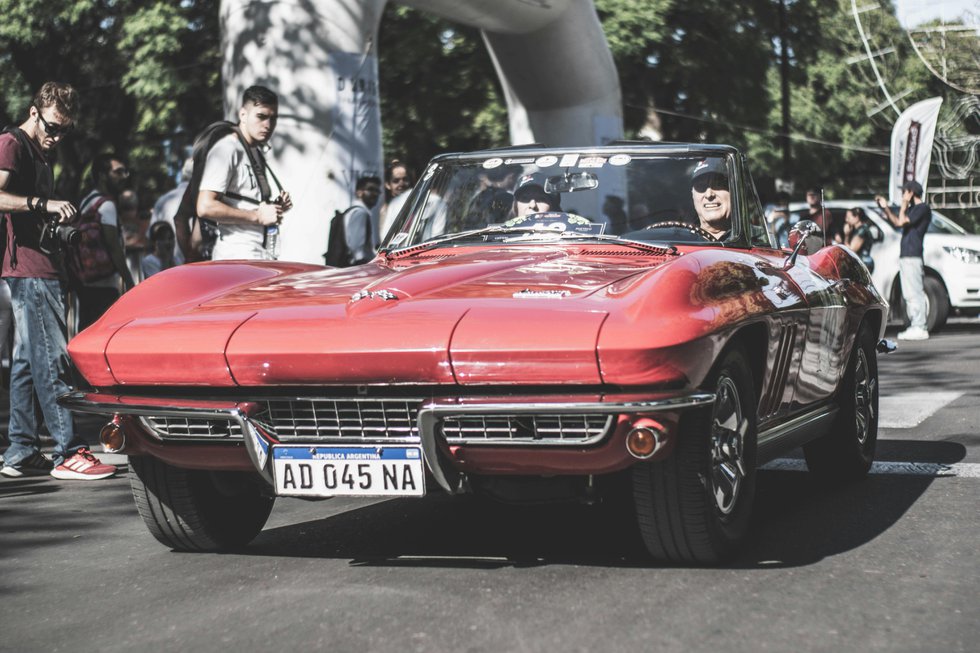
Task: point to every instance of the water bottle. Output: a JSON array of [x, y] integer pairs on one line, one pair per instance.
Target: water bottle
[[271, 240]]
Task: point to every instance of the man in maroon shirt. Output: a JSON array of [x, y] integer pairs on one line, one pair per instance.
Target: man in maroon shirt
[[39, 366]]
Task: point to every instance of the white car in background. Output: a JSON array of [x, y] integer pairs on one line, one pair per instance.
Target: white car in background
[[952, 261]]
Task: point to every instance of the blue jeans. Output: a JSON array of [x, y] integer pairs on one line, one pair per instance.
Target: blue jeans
[[39, 370], [911, 273]]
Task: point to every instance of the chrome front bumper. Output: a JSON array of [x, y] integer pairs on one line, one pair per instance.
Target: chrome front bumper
[[259, 438]]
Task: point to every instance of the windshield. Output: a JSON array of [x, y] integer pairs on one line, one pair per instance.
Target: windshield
[[943, 225], [541, 197]]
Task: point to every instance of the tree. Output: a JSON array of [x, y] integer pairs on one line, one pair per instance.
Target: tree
[[423, 115], [147, 71]]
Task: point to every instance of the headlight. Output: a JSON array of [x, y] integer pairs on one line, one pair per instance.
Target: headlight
[[964, 254]]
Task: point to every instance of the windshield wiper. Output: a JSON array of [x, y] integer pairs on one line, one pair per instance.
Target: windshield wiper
[[429, 244], [660, 248]]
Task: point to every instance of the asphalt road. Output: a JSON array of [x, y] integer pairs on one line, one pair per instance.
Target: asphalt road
[[888, 564]]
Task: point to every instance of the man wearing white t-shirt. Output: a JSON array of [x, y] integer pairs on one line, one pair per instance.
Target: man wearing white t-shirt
[[235, 191]]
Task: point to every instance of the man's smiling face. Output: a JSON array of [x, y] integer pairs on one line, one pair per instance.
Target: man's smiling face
[[712, 201]]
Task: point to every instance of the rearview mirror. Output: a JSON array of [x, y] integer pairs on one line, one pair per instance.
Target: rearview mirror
[[571, 182]]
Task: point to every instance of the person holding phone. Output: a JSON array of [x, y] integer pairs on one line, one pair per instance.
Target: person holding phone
[[913, 218]]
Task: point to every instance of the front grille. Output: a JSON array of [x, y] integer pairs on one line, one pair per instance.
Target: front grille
[[347, 420], [526, 429], [193, 428], [342, 419]]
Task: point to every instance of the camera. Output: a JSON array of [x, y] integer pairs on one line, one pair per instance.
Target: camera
[[56, 235]]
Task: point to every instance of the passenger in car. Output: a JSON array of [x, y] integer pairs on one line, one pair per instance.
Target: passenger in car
[[530, 197], [711, 196]]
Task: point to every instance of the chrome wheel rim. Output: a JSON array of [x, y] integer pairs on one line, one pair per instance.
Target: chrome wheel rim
[[865, 388], [728, 428]]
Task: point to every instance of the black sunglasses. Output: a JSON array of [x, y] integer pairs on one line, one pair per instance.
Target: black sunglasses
[[54, 130], [717, 182]]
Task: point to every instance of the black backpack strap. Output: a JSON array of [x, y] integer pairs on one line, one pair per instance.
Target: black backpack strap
[[260, 165]]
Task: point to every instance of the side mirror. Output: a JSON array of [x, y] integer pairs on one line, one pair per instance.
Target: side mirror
[[805, 238]]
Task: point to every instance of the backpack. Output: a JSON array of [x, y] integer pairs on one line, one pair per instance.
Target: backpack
[[187, 211], [88, 259], [338, 254]]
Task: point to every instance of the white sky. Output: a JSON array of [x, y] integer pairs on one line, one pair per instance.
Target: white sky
[[912, 13]]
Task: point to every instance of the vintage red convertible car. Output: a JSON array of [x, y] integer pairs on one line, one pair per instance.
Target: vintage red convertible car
[[539, 324]]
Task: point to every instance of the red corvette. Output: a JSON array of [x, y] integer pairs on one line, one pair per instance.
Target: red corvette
[[538, 324]]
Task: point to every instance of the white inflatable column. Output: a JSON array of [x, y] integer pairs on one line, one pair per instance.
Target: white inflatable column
[[320, 57], [560, 82], [553, 60]]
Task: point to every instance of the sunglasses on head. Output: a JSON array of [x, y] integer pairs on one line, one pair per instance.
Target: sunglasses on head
[[716, 182], [54, 129]]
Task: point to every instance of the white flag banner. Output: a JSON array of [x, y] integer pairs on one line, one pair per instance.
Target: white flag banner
[[912, 147]]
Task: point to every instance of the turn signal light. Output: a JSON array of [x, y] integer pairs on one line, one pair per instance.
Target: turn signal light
[[646, 438], [112, 438]]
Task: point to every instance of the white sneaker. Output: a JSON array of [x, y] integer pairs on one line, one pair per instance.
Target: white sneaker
[[914, 333]]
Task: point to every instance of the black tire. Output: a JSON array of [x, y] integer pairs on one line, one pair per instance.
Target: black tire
[[192, 510], [846, 451], [938, 303], [694, 506]]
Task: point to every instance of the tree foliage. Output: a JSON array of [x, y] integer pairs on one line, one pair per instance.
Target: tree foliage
[[424, 112], [147, 72]]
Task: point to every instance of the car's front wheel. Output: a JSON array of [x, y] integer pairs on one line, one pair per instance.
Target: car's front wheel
[[694, 506], [194, 510]]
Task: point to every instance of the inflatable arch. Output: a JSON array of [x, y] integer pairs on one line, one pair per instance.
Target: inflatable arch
[[558, 76]]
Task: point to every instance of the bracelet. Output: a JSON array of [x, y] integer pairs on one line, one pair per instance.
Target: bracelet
[[30, 203], [41, 206]]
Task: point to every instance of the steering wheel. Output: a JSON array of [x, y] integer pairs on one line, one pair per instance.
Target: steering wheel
[[677, 224]]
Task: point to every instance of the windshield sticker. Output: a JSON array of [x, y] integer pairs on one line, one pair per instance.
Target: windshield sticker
[[592, 162], [557, 222], [619, 159], [399, 238], [493, 163], [546, 161], [431, 171], [519, 161], [568, 160]]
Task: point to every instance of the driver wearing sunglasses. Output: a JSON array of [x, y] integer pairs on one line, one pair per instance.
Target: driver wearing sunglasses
[[712, 198]]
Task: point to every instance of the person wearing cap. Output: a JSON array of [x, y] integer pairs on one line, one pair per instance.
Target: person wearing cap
[[817, 212], [712, 198], [530, 196], [913, 217]]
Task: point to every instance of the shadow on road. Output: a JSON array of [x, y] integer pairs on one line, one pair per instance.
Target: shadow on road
[[798, 521]]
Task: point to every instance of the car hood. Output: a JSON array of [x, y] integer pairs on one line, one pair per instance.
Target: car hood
[[466, 317], [971, 241]]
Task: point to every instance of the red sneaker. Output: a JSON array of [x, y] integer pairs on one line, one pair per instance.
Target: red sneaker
[[83, 466]]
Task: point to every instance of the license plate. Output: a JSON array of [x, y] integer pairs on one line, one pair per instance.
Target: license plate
[[362, 471]]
